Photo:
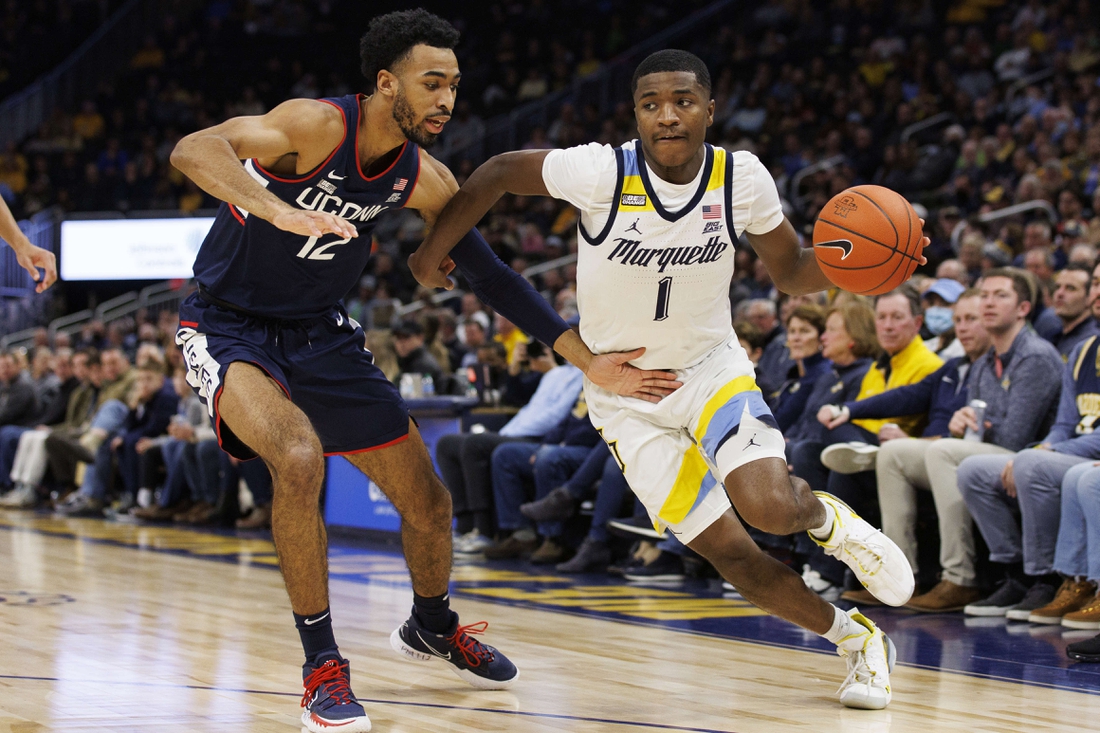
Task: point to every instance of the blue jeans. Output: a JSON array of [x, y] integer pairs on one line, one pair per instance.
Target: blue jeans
[[514, 465], [9, 444], [201, 465], [1078, 548], [254, 473], [609, 499], [175, 483]]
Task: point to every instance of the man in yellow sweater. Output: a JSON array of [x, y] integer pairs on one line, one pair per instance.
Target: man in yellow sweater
[[906, 360]]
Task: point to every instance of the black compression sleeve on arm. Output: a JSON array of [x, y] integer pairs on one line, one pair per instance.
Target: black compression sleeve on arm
[[505, 290]]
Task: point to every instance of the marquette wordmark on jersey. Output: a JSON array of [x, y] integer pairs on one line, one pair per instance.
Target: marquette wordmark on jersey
[[631, 252]]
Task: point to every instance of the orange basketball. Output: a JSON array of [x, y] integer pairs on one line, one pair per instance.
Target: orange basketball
[[868, 240]]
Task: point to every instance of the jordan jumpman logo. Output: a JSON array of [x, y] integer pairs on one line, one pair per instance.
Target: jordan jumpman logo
[[634, 227], [752, 442]]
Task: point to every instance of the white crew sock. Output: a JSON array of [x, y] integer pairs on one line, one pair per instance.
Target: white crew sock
[[823, 532], [843, 627]]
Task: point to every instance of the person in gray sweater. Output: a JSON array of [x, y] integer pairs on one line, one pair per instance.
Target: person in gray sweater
[[1015, 378]]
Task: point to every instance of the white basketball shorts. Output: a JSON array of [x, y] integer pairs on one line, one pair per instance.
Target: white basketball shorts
[[675, 454]]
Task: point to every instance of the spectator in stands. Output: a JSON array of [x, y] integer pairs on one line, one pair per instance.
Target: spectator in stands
[[1028, 484], [804, 327], [151, 406], [1069, 320], [46, 382], [66, 448], [22, 473], [188, 453], [939, 303], [448, 339], [474, 338], [775, 362], [464, 459], [901, 464], [508, 334], [907, 360], [412, 355], [1077, 553], [547, 465], [751, 340], [18, 401]]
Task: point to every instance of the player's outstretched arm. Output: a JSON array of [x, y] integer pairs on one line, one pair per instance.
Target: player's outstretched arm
[[519, 172], [303, 127], [793, 268], [30, 258], [505, 290]]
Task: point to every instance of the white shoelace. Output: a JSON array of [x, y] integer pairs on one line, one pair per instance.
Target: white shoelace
[[860, 671]]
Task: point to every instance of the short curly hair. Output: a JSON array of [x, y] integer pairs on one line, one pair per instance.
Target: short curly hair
[[390, 39], [672, 59]]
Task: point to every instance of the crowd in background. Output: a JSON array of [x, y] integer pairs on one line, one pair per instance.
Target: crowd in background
[[942, 389]]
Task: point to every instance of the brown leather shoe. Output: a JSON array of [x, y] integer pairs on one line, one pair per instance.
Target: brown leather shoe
[[510, 548], [1072, 596], [549, 552], [946, 596], [198, 509], [861, 597], [157, 513]]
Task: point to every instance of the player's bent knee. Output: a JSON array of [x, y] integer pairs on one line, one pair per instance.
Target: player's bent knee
[[299, 468]]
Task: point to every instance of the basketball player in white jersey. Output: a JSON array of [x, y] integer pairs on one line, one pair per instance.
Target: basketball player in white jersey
[[658, 220]]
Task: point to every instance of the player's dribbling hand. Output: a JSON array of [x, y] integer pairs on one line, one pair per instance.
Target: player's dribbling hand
[[611, 372], [314, 224], [924, 242], [432, 277], [34, 258]]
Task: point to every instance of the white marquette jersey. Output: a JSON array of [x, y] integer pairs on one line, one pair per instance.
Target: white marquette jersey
[[655, 259]]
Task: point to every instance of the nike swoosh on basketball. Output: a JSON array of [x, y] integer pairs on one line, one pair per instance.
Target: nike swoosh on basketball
[[843, 244], [446, 656], [333, 176], [311, 621]]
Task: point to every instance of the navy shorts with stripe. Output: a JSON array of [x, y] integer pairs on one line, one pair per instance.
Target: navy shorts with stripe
[[321, 364]]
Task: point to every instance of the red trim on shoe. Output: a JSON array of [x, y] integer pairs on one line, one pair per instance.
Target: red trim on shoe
[[395, 441], [326, 724]]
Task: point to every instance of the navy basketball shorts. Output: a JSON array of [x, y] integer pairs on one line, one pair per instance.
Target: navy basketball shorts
[[321, 363]]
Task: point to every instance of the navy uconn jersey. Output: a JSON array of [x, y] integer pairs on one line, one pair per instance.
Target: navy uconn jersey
[[252, 264]]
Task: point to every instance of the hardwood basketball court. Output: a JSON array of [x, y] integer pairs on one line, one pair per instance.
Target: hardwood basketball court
[[117, 627]]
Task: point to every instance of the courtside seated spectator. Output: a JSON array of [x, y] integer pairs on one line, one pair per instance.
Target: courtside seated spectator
[[464, 459], [18, 399], [151, 405], [1069, 320], [898, 319], [547, 465], [1028, 484], [23, 451], [901, 463]]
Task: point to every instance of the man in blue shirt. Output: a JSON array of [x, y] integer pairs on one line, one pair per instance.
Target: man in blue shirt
[[464, 459]]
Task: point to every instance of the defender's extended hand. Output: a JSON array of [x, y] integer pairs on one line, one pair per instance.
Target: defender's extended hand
[[612, 372], [314, 224], [429, 277], [31, 259]]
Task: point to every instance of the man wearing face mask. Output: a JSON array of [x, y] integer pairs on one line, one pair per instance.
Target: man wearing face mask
[[939, 300]]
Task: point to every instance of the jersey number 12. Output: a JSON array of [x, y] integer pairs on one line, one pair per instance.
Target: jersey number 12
[[320, 253], [664, 288]]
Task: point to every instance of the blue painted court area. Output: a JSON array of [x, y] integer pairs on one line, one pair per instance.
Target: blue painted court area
[[983, 647]]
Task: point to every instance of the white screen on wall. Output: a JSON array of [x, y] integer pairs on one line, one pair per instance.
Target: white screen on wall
[[131, 249]]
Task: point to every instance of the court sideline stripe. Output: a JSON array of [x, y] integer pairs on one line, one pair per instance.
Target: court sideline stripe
[[374, 701]]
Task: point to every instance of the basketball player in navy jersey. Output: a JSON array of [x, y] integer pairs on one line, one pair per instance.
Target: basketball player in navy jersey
[[281, 366], [658, 217]]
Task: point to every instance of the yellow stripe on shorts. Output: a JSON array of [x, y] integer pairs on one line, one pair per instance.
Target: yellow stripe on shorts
[[715, 403], [689, 480]]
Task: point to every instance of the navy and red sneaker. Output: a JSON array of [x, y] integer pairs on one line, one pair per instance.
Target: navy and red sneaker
[[478, 664], [328, 700]]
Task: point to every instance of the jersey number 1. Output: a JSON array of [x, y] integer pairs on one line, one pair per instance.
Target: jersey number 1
[[664, 288]]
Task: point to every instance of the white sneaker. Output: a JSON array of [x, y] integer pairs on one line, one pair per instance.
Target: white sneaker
[[819, 585], [471, 543], [870, 656], [853, 457], [21, 497], [877, 562]]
